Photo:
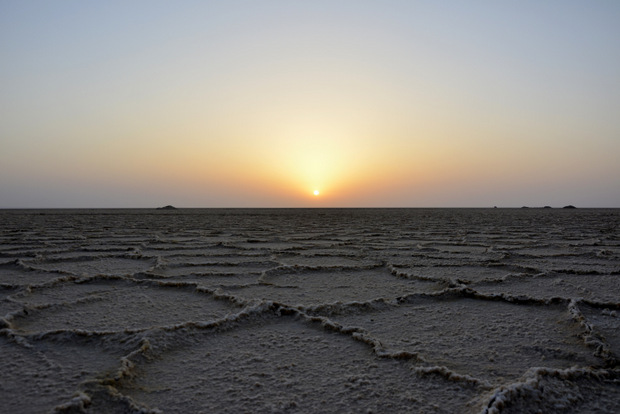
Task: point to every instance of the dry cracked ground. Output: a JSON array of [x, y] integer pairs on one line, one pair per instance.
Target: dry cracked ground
[[406, 310]]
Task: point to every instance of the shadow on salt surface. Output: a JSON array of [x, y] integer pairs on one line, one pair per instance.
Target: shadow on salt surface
[[307, 287], [16, 274], [334, 251], [211, 282], [597, 288], [463, 274], [427, 255], [563, 391], [606, 323], [412, 261], [257, 244], [568, 264], [277, 364], [96, 266], [455, 248], [49, 373], [324, 261], [117, 306], [488, 340], [6, 305], [206, 260], [214, 269], [67, 292], [181, 251]]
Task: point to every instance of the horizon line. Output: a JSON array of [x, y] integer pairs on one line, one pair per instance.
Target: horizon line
[[567, 207]]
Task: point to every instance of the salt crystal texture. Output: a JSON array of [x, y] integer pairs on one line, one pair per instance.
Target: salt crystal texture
[[294, 310]]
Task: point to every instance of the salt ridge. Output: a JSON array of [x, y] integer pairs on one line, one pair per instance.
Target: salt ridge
[[427, 280]]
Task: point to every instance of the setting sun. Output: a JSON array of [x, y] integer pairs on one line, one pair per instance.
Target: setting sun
[[309, 104]]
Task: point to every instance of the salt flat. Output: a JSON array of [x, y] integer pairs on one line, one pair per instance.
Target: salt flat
[[310, 310]]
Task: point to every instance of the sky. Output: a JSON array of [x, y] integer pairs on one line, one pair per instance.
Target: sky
[[120, 104]]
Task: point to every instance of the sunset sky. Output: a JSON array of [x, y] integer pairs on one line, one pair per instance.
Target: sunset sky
[[262, 103]]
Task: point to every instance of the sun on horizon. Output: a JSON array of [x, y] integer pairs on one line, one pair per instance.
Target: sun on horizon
[[291, 104]]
